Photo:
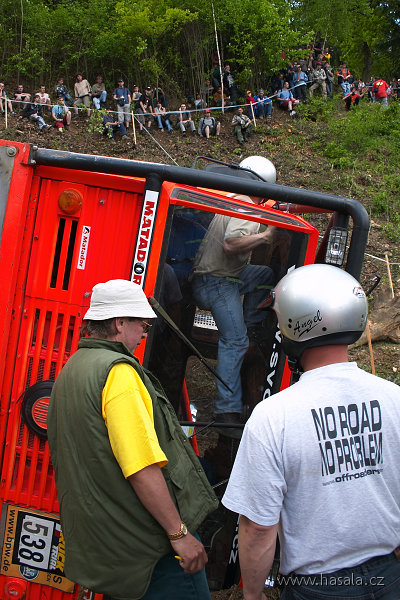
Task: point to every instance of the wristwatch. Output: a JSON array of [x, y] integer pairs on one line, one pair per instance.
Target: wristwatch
[[180, 534]]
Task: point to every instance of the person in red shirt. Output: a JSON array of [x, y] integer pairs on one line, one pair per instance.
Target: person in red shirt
[[353, 98], [379, 91]]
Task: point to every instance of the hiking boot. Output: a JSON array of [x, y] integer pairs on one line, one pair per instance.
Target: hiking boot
[[230, 418]]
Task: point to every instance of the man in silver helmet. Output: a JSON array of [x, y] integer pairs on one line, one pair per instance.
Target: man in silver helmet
[[131, 490], [318, 462], [221, 275]]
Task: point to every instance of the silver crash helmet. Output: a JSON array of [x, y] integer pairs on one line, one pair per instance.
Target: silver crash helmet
[[261, 166], [318, 305]]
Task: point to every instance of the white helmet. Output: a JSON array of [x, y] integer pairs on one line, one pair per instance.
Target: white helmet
[[261, 166], [318, 305]]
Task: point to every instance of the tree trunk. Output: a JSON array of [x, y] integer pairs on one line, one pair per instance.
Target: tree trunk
[[366, 52]]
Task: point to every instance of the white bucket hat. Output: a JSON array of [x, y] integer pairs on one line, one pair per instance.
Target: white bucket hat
[[118, 298]]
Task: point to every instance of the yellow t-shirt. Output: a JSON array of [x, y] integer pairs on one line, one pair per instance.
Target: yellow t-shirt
[[128, 414]]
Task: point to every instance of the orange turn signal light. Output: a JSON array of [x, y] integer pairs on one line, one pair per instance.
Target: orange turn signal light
[[70, 201]]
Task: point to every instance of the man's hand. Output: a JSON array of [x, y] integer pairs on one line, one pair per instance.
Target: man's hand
[[192, 552]]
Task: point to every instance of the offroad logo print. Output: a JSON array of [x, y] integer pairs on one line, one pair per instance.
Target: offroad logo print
[[349, 440]]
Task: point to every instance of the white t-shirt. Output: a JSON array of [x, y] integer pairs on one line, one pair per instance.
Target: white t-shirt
[[322, 458]]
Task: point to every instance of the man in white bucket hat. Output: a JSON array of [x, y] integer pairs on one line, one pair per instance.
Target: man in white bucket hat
[[131, 490]]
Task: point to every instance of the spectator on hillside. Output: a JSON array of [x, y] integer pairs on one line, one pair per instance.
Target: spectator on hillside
[[326, 55], [345, 78], [144, 109], [379, 92], [99, 94], [329, 79], [230, 84], [263, 106], [159, 94], [318, 77], [208, 125], [353, 98], [5, 99], [199, 103], [208, 92], [184, 120], [299, 84], [33, 112], [83, 92], [286, 99], [44, 96], [122, 97], [162, 117], [111, 125], [135, 94], [252, 104], [277, 82], [61, 90], [61, 115], [20, 96], [242, 126], [218, 98]]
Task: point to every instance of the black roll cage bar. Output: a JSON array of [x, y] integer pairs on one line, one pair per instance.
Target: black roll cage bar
[[158, 173]]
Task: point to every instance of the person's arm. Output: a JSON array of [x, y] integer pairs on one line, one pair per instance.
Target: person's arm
[[256, 554], [246, 243], [150, 487]]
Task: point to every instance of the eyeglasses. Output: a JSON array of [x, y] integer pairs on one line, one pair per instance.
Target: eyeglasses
[[145, 326]]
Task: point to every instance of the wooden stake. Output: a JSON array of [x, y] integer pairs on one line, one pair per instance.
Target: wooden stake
[[133, 129], [371, 352], [5, 110], [389, 273], [252, 112]]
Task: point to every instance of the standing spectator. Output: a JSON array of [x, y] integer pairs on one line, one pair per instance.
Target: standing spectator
[[329, 79], [122, 96], [320, 459], [20, 96], [162, 117], [318, 78], [379, 92], [44, 96], [242, 126], [83, 92], [326, 55], [208, 125], [159, 94], [99, 94], [184, 120], [4, 98], [111, 125], [230, 84], [135, 94], [144, 108], [286, 99], [299, 83], [263, 106], [345, 78], [60, 89], [138, 493], [61, 115], [208, 92], [33, 112]]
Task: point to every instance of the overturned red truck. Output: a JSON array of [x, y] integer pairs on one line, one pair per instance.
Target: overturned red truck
[[69, 221]]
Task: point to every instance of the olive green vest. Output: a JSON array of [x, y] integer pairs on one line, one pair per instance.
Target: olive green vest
[[112, 542]]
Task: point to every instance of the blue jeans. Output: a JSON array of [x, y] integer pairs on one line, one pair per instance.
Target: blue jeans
[[113, 128], [166, 122], [375, 579], [222, 296], [101, 98], [345, 87], [263, 109]]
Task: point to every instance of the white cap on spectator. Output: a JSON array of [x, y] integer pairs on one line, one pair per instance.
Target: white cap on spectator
[[118, 298]]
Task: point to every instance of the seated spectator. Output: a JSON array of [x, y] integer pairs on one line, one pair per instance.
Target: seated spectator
[[61, 115], [5, 99], [242, 126], [218, 98], [20, 95], [162, 117], [144, 109], [353, 98], [286, 99], [33, 112], [208, 92], [83, 92], [379, 92], [252, 104], [184, 120], [61, 90], [329, 79], [208, 125], [111, 125], [263, 106], [345, 78], [99, 94], [199, 103], [318, 78], [299, 83], [43, 95]]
